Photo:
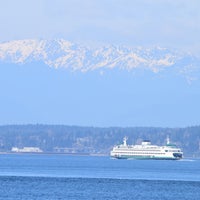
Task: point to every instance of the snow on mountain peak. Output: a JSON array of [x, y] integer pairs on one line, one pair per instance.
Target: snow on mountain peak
[[62, 53], [20, 50]]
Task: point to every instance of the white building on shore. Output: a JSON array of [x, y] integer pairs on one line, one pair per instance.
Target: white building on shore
[[26, 150]]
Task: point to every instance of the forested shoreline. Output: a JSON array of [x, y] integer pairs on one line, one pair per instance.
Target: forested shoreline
[[94, 140]]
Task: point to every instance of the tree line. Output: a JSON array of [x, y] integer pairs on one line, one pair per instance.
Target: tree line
[[94, 140]]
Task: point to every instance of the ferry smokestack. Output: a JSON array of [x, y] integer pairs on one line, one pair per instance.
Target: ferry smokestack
[[124, 140], [168, 140]]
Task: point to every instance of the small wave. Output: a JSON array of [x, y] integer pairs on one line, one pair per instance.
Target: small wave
[[187, 160], [130, 158]]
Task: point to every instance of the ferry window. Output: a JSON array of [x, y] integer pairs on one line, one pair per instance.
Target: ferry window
[[166, 150]]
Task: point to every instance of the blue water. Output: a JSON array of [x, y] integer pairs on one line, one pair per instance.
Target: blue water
[[88, 177]]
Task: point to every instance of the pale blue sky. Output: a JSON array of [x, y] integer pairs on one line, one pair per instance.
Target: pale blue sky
[[133, 22], [39, 94]]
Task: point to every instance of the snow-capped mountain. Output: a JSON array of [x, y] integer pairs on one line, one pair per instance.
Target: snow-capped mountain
[[110, 85], [62, 53]]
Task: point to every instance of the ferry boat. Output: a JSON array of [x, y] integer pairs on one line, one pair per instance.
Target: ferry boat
[[146, 151]]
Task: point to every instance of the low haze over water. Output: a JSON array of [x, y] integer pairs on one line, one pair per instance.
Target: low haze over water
[[89, 177]]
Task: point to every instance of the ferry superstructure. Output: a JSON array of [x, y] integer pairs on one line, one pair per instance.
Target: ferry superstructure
[[146, 151]]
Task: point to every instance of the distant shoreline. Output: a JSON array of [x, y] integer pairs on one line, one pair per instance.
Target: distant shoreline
[[73, 154], [52, 153]]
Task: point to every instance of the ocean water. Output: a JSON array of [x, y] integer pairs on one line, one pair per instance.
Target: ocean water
[[45, 177]]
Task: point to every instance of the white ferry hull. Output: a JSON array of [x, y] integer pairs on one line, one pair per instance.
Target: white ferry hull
[[146, 157]]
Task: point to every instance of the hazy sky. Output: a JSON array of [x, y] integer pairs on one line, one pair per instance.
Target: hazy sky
[[38, 94], [133, 22]]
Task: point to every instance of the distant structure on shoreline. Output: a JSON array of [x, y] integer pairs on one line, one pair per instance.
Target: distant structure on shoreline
[[26, 150]]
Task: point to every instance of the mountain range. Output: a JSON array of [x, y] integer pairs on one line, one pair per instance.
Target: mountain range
[[61, 53], [60, 82]]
